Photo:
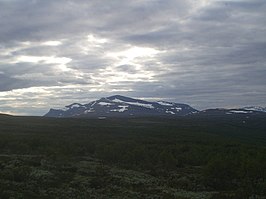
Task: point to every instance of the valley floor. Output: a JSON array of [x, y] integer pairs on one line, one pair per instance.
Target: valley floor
[[132, 158]]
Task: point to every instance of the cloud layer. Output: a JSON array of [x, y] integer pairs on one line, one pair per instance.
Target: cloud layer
[[207, 53]]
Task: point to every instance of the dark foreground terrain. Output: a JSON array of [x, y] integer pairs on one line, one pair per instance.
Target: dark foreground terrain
[[196, 157]]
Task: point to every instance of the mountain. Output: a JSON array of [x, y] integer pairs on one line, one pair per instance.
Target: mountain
[[121, 106], [241, 112], [255, 108]]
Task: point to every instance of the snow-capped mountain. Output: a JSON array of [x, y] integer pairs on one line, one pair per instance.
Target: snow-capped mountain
[[121, 106], [255, 108], [235, 111]]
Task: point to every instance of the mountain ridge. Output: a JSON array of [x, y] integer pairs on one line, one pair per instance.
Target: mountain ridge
[[122, 106]]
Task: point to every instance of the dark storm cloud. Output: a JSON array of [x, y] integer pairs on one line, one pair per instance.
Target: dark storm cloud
[[206, 53]]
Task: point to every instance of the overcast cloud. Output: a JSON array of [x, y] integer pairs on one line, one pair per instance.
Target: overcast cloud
[[206, 53]]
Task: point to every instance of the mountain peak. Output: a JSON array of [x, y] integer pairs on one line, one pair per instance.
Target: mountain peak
[[116, 96], [121, 98]]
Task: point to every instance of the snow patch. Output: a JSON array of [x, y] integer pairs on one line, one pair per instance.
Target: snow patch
[[150, 106], [75, 106], [117, 100], [105, 103], [177, 109], [66, 108], [123, 108], [93, 103], [165, 103], [89, 111], [239, 112], [134, 103], [171, 112], [140, 104]]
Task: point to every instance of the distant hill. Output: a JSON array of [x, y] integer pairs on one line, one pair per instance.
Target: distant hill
[[3, 114], [233, 112]]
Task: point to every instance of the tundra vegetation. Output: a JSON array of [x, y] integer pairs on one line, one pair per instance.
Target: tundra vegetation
[[132, 158]]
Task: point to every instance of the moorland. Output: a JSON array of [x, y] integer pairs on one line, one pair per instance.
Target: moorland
[[186, 157]]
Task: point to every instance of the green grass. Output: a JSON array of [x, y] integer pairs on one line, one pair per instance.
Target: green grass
[[132, 158]]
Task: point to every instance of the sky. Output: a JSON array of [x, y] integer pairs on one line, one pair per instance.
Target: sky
[[206, 53]]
